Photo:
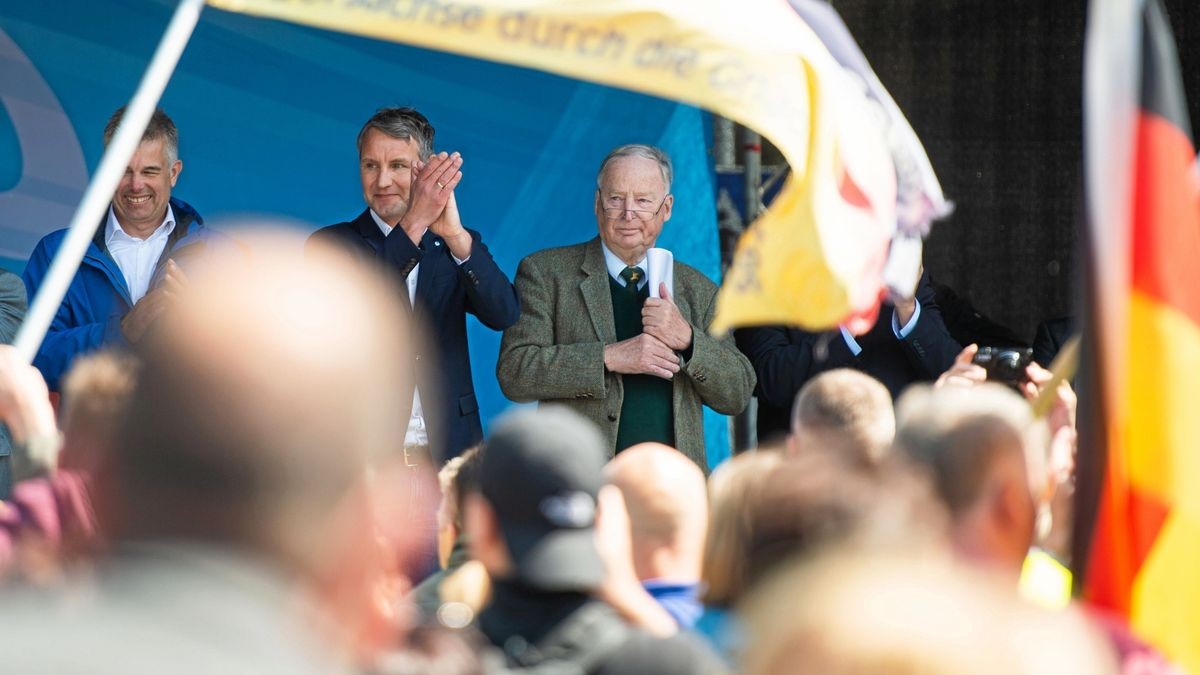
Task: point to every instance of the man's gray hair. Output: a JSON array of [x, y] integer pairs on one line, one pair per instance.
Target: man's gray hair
[[639, 150], [404, 124], [160, 126]]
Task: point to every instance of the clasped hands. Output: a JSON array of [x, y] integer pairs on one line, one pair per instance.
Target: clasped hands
[[431, 203], [655, 351], [145, 312]]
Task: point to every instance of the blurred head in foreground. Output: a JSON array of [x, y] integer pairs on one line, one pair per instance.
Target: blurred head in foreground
[[986, 456], [261, 399], [58, 526], [768, 510], [724, 567], [854, 614], [236, 497], [457, 478], [95, 398], [666, 496], [846, 412]]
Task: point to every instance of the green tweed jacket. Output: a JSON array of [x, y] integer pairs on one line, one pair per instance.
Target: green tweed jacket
[[555, 352]]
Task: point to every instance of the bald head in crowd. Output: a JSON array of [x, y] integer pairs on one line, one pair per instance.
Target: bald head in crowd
[[986, 456], [667, 499], [845, 412], [262, 395]]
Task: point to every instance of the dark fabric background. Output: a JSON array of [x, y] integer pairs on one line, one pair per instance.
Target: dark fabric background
[[994, 90]]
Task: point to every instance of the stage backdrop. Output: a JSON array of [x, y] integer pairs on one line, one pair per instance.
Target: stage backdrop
[[268, 114]]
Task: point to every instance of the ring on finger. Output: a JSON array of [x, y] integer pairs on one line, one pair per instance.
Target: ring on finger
[[440, 186]]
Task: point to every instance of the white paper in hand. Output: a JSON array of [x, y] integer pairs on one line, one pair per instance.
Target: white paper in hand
[[902, 270], [660, 264]]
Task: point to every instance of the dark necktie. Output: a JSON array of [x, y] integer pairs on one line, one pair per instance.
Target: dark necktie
[[631, 276]]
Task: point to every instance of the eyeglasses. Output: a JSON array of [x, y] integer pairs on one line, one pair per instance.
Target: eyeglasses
[[618, 212]]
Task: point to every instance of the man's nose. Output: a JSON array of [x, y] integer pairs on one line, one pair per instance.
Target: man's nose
[[628, 213], [384, 179]]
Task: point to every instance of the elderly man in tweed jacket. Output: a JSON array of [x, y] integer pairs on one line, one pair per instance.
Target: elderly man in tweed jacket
[[591, 338]]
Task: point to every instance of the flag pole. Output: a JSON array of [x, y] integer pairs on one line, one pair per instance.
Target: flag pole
[[104, 183]]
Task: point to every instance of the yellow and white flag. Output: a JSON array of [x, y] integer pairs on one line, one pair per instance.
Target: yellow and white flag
[[815, 257]]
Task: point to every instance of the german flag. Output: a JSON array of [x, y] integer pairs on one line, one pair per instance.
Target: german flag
[[1139, 536]]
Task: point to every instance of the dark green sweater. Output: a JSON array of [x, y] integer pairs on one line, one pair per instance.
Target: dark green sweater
[[646, 410]]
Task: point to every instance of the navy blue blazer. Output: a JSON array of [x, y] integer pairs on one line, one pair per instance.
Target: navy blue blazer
[[785, 359], [446, 292]]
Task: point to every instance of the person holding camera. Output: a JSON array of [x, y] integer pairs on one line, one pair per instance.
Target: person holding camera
[[908, 343]]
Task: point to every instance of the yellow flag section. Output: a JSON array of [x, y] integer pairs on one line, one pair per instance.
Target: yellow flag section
[[753, 61]]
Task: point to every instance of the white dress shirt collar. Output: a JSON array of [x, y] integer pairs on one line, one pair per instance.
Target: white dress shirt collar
[[137, 258], [383, 226], [615, 266], [114, 232]]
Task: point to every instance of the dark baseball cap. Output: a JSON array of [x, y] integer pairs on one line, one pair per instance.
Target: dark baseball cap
[[541, 474]]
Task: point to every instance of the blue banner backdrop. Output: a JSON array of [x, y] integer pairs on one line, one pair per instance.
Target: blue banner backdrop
[[268, 114]]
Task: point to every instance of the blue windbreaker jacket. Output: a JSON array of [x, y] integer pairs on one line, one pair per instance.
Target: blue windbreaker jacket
[[98, 297]]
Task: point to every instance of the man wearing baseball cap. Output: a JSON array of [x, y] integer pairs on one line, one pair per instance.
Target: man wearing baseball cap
[[533, 527]]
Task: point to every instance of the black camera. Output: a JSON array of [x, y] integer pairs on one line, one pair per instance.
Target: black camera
[[1004, 364]]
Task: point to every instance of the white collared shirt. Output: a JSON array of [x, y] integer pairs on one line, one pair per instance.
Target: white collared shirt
[[137, 258], [615, 266], [417, 434]]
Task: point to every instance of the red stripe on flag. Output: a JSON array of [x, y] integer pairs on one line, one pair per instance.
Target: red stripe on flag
[[1166, 216], [851, 193], [1126, 527]]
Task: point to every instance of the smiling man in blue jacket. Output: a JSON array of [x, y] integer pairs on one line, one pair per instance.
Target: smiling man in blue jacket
[[135, 264]]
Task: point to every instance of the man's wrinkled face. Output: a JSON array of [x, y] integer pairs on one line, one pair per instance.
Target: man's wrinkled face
[[385, 165], [631, 206], [140, 202]]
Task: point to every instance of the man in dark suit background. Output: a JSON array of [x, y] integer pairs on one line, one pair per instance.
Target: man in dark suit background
[[908, 343], [1050, 337], [412, 228]]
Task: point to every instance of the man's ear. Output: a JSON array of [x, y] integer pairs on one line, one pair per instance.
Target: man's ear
[[176, 169], [793, 444], [483, 535], [1013, 507], [668, 203], [479, 520]]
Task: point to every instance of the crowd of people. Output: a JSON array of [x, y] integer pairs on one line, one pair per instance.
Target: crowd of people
[[267, 461]]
